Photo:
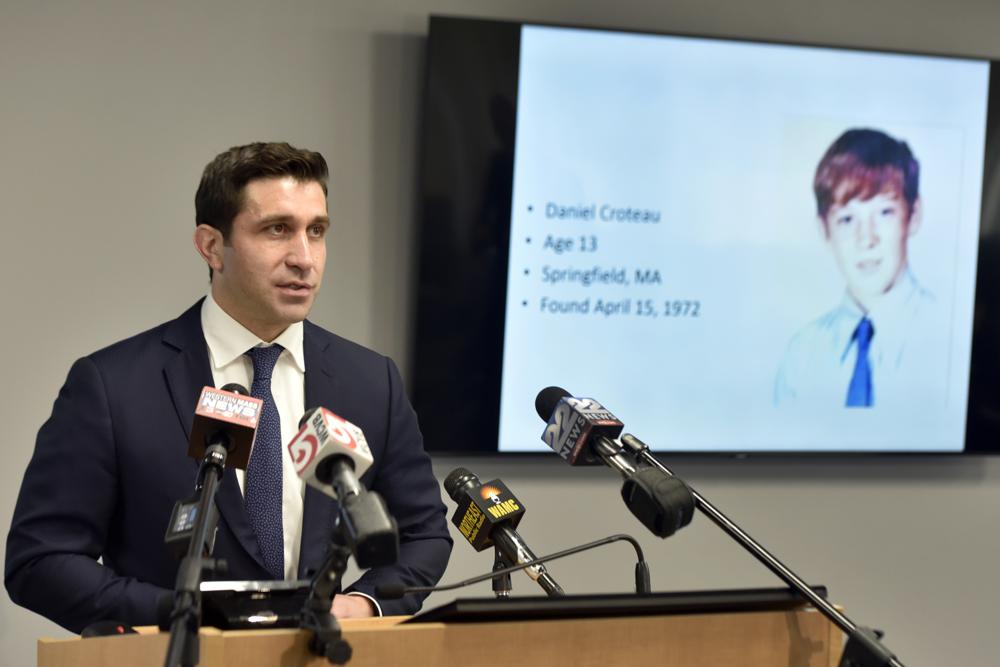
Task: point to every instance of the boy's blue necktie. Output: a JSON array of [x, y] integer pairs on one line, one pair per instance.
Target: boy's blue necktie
[[860, 393]]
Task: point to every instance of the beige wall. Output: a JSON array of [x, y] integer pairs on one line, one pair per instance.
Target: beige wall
[[108, 111]]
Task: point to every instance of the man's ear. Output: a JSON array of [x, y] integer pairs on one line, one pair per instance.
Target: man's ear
[[208, 242], [916, 215]]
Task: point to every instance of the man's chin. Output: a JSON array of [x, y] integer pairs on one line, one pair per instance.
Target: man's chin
[[292, 313]]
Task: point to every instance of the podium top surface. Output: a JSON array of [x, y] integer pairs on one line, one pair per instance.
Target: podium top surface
[[477, 610]]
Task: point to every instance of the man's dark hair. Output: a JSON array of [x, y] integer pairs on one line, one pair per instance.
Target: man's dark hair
[[220, 195], [863, 163]]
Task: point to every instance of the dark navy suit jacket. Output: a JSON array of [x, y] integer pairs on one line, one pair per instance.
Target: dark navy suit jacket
[[111, 461]]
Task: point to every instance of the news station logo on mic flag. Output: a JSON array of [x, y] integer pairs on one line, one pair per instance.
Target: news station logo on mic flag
[[570, 426], [481, 509], [229, 406], [323, 434], [220, 411]]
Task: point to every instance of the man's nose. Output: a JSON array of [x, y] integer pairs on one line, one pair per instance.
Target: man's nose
[[300, 253], [868, 232]]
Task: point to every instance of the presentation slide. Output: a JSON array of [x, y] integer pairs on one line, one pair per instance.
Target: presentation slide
[[744, 247]]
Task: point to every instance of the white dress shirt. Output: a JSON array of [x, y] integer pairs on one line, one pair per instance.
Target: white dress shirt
[[228, 340]]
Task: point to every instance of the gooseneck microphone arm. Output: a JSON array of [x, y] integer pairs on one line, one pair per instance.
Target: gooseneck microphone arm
[[642, 584], [868, 651]]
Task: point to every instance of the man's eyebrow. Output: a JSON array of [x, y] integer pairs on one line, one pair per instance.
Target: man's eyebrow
[[271, 219]]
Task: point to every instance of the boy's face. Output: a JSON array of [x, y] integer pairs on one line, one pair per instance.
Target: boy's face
[[868, 240]]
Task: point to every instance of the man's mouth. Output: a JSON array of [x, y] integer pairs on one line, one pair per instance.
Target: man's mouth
[[295, 287], [869, 265]]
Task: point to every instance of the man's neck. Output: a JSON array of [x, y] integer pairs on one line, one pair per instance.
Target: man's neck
[[265, 332], [884, 300]]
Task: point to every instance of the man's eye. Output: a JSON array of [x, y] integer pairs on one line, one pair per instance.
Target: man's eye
[[318, 231], [278, 228], [845, 219], [889, 210]]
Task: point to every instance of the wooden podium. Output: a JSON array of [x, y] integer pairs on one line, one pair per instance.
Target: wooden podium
[[802, 637]]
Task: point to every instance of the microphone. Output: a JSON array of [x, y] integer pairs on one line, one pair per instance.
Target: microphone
[[225, 422], [393, 591], [330, 454], [582, 431], [222, 433], [487, 515], [652, 492], [226, 417]]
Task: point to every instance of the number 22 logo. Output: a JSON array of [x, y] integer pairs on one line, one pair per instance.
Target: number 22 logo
[[557, 425]]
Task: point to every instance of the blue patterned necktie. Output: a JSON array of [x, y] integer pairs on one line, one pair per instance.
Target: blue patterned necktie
[[263, 480], [860, 393]]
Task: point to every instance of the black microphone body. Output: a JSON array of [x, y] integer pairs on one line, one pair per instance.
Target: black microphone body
[[365, 522], [338, 471], [488, 515]]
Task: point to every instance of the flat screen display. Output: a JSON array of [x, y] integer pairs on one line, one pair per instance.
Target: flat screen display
[[736, 247]]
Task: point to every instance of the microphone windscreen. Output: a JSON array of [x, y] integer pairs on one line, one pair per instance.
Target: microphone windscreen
[[236, 388], [662, 503], [547, 399], [309, 413], [458, 479]]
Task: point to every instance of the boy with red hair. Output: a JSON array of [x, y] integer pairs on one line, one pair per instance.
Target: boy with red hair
[[868, 203]]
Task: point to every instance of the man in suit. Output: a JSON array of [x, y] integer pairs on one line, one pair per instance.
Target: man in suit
[[111, 461]]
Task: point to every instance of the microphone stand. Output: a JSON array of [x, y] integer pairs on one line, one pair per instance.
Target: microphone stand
[[326, 640], [365, 530], [185, 618], [863, 647], [501, 582]]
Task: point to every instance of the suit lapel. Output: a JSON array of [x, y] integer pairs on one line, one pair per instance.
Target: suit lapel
[[321, 389], [185, 375]]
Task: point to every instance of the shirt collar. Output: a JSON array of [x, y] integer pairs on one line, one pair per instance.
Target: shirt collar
[[887, 316], [228, 339], [890, 305], [893, 305]]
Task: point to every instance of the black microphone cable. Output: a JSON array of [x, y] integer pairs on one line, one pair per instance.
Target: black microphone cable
[[642, 580]]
